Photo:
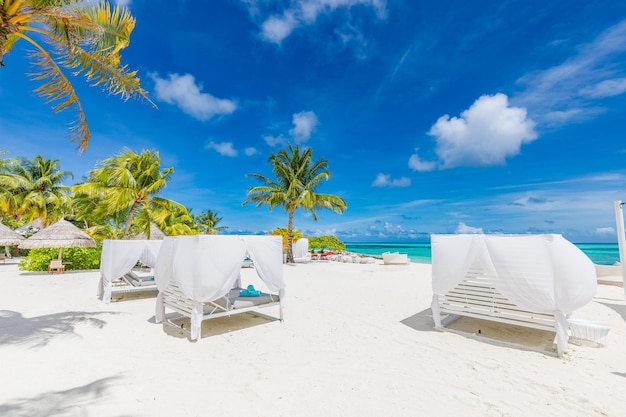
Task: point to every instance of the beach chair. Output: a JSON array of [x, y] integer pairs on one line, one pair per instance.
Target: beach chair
[[56, 265], [3, 258]]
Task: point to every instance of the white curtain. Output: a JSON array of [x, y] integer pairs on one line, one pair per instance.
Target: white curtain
[[301, 248], [120, 256]]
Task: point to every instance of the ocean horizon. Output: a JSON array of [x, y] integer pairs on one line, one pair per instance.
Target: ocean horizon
[[599, 253]]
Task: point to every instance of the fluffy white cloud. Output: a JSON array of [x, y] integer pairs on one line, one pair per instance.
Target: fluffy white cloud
[[223, 148], [462, 228], [384, 180], [277, 28], [182, 91], [485, 134], [305, 12], [416, 164], [304, 123]]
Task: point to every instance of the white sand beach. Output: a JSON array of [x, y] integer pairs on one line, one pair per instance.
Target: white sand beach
[[358, 340]]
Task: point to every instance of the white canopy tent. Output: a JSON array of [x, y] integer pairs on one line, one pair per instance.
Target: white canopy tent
[[119, 257], [207, 267], [540, 273], [301, 250]]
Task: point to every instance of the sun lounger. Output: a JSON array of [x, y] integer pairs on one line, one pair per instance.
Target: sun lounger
[[395, 258], [231, 303]]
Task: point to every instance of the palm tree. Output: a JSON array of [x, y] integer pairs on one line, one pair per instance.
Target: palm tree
[[83, 39], [207, 222], [125, 183], [33, 190], [169, 216], [295, 186]]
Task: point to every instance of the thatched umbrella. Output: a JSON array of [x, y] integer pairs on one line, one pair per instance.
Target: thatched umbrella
[[61, 234], [155, 234], [8, 237]]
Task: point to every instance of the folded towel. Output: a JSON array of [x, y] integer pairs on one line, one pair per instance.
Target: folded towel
[[250, 292]]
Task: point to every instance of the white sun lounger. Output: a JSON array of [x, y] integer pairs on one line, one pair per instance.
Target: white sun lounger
[[231, 303]]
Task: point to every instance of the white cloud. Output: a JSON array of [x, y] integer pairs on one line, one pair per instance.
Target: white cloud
[[223, 148], [274, 140], [578, 83], [250, 151], [416, 164], [606, 88], [462, 228], [280, 25], [123, 3], [604, 231], [485, 134], [384, 180], [182, 91], [304, 123], [277, 28]]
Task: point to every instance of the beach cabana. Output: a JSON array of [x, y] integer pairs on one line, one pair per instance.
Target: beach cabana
[[199, 276], [61, 234], [534, 281], [301, 250], [118, 258]]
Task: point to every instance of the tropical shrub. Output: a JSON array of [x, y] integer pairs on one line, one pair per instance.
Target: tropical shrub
[[76, 258], [330, 242]]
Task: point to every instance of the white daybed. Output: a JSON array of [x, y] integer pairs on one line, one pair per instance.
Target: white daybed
[[199, 276], [534, 281], [117, 277]]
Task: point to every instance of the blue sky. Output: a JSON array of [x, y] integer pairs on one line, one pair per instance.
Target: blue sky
[[435, 117]]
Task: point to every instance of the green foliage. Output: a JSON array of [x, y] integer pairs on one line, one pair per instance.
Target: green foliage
[[330, 242], [282, 231], [76, 258]]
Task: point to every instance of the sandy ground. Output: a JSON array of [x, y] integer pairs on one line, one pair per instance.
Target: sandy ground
[[357, 341]]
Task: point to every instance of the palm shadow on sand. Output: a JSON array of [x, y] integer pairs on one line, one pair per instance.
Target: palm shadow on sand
[[36, 332], [69, 402]]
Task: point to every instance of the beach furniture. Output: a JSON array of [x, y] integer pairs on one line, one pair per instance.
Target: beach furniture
[[301, 250], [198, 277], [118, 279], [56, 265], [395, 258], [3, 258], [534, 281]]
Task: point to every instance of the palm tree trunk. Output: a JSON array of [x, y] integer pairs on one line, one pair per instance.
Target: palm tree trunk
[[290, 237], [129, 219]]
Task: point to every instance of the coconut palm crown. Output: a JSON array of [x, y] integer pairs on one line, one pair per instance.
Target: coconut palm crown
[[297, 178], [81, 38], [125, 183]]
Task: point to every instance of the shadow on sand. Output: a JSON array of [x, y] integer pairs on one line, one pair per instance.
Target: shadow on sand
[[39, 331], [422, 321], [70, 402]]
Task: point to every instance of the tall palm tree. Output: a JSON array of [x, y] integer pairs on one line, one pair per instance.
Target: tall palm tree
[[82, 38], [297, 179], [35, 190], [125, 183], [207, 222], [169, 216]]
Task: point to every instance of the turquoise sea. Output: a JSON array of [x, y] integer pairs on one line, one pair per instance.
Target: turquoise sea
[[600, 253]]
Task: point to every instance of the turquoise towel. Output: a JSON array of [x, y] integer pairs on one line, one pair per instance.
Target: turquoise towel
[[249, 292]]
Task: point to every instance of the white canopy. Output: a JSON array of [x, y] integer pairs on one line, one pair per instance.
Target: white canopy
[[542, 273], [301, 248], [119, 256], [206, 267]]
